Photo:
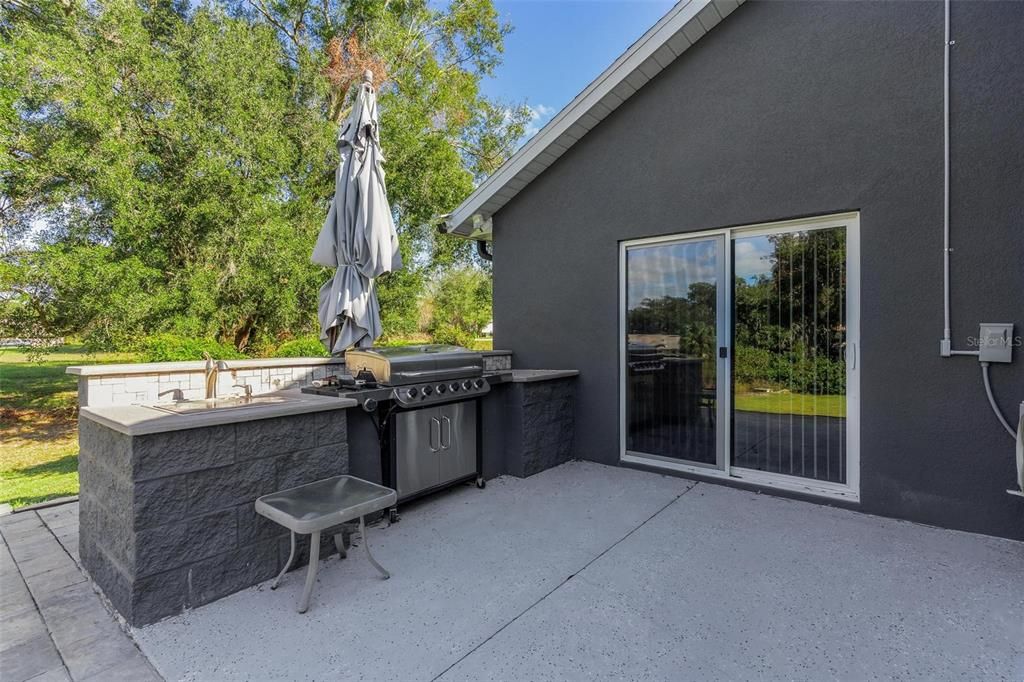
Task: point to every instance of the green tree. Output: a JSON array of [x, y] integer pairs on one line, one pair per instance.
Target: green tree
[[182, 158], [790, 329], [461, 306]]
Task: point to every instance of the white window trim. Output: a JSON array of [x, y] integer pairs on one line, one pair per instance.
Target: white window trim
[[850, 491]]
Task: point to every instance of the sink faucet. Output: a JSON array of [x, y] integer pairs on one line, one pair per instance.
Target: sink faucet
[[177, 394], [212, 368]]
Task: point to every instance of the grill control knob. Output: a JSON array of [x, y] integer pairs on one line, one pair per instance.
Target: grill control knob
[[427, 390], [467, 384], [454, 386], [479, 383], [413, 392], [441, 388]]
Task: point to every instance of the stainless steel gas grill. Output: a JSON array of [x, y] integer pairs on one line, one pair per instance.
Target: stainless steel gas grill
[[424, 404], [422, 375]]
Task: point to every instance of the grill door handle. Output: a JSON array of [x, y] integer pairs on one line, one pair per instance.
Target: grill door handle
[[430, 439], [445, 422]]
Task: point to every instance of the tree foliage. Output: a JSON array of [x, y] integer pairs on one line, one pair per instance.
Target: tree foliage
[[791, 329], [461, 306], [181, 157]]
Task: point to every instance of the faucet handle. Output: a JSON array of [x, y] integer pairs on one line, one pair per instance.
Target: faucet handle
[[247, 387]]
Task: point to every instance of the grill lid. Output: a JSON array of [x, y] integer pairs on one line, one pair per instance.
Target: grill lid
[[401, 365]]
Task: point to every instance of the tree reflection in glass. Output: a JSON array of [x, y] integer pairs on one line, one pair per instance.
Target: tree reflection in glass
[[671, 337]]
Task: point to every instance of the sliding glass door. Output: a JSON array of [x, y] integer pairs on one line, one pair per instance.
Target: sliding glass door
[[739, 354], [674, 303]]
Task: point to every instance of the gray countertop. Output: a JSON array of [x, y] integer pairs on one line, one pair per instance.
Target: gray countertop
[[520, 376], [139, 420]]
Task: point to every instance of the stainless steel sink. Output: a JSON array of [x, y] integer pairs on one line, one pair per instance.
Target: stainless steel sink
[[228, 403]]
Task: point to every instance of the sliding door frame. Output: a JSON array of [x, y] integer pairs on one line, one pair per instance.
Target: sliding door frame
[[850, 491]]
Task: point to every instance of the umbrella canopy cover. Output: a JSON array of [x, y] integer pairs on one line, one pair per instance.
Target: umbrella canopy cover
[[358, 238]]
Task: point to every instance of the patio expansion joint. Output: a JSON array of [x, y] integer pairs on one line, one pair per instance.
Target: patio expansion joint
[[563, 582]]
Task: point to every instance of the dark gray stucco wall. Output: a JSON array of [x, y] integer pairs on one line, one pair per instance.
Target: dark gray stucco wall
[[789, 109]]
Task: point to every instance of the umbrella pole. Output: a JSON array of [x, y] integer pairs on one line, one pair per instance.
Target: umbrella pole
[[332, 338]]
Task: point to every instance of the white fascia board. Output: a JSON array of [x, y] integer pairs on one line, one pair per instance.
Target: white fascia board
[[623, 77]]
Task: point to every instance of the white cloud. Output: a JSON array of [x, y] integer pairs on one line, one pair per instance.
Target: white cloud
[[539, 115], [669, 270], [542, 111], [753, 257]]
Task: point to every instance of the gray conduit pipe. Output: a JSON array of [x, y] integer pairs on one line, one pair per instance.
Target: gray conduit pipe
[[992, 402], [946, 345], [947, 332]]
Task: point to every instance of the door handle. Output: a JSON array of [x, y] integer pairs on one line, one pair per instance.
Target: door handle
[[851, 354], [448, 423], [430, 439]]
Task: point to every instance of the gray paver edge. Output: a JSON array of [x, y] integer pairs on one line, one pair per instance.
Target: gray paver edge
[[35, 603]]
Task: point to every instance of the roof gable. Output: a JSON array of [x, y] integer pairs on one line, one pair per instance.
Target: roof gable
[[680, 28]]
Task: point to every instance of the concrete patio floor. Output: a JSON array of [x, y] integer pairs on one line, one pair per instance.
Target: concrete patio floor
[[586, 571]]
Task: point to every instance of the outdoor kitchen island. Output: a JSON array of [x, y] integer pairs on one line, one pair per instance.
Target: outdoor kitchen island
[[167, 519], [167, 500]]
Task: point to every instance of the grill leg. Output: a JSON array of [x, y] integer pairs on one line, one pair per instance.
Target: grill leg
[[287, 565], [366, 543], [314, 561]]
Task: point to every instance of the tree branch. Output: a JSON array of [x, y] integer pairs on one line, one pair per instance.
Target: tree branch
[[262, 9]]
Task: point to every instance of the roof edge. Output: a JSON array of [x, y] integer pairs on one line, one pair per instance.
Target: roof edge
[[663, 43]]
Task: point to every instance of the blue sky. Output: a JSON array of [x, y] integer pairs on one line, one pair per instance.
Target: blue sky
[[558, 46]]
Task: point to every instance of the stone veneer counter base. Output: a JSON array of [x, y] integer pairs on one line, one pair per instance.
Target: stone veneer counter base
[[532, 413], [167, 519]]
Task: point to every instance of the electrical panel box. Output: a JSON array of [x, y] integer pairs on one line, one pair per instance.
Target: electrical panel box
[[995, 342]]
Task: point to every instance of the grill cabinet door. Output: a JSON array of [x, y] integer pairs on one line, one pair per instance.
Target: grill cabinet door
[[417, 444], [458, 440]]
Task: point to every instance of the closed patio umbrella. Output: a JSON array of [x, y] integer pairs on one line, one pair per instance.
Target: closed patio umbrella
[[358, 238]]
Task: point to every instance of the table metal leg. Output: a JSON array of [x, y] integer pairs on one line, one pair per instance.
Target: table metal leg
[[314, 561], [287, 565], [339, 544], [366, 543]]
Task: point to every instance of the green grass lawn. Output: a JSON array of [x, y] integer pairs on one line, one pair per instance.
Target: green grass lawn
[[38, 423], [792, 403]]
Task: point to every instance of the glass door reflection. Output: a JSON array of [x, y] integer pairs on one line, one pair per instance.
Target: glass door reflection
[[673, 299]]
